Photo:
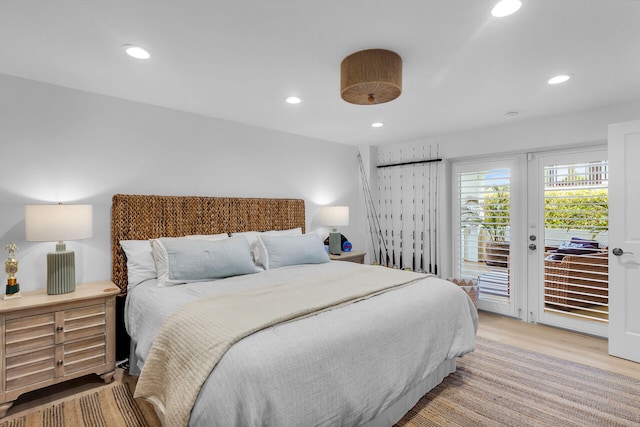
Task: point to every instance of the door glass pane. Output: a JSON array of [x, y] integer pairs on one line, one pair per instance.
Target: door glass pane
[[576, 273], [484, 198]]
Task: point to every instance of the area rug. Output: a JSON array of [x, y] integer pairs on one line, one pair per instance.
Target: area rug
[[497, 385], [110, 406], [501, 385]]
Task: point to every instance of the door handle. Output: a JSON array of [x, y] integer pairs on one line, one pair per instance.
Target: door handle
[[620, 252]]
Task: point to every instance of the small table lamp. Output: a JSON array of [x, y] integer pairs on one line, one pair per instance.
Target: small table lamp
[[334, 216], [56, 223]]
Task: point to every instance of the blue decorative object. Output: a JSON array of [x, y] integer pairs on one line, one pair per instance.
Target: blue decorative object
[[346, 247]]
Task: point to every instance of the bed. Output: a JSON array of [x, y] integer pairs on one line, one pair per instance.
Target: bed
[[365, 359]]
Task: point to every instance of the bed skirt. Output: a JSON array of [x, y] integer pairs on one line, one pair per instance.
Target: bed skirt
[[395, 412]]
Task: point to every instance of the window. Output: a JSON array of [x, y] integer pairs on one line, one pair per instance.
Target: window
[[484, 198], [576, 224]]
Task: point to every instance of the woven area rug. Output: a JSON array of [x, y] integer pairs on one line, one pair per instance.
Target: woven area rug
[[110, 406], [497, 385], [501, 385]]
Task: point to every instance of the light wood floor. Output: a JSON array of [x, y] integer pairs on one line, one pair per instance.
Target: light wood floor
[[563, 344], [47, 395], [554, 342]]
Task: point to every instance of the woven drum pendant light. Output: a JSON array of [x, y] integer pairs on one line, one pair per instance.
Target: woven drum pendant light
[[372, 76]]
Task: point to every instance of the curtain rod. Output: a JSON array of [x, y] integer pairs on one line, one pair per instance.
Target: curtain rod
[[416, 162]]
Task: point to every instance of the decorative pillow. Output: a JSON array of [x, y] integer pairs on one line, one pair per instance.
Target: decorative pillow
[[258, 252], [289, 232], [140, 263], [293, 250], [260, 255], [212, 237], [179, 260], [251, 236]]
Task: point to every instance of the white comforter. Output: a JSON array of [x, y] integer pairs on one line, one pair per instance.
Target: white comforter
[[341, 367]]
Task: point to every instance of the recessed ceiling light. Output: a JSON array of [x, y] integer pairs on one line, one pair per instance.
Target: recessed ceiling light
[[560, 78], [293, 100], [377, 125], [505, 8], [136, 51]]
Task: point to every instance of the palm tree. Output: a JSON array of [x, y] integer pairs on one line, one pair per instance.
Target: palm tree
[[491, 214], [496, 213]]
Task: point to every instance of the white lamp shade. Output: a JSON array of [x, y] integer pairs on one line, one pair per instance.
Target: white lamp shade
[[55, 223], [334, 216]]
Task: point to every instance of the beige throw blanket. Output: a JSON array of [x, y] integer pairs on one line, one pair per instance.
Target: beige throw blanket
[[194, 338]]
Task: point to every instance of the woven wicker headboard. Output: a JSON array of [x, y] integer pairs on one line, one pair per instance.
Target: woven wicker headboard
[[136, 217]]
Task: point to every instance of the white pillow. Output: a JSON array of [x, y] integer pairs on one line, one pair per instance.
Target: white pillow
[[251, 236], [179, 260], [260, 255], [212, 237], [258, 252], [289, 232], [283, 250], [140, 263]]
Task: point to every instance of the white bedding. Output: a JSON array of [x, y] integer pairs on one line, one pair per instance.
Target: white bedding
[[341, 367]]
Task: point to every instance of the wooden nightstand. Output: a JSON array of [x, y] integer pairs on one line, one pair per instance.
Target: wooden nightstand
[[353, 256], [47, 339]]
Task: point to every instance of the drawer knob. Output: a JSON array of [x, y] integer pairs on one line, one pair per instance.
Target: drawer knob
[[59, 363], [59, 329]]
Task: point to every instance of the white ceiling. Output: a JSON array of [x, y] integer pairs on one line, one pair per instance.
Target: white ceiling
[[238, 59]]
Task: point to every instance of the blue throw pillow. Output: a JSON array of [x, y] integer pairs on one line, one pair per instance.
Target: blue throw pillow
[[181, 260], [293, 250]]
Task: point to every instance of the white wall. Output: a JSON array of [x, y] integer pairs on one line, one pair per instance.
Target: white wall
[[59, 144], [585, 128], [63, 145], [582, 128]]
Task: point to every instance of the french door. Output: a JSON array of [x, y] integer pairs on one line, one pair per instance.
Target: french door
[[532, 230], [568, 240], [487, 213]]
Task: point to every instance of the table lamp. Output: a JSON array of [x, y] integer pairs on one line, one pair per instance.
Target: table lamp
[[334, 216], [56, 223]]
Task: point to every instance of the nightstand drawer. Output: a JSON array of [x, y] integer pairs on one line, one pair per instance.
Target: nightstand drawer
[[84, 314], [84, 354], [84, 331], [84, 322], [30, 368], [29, 333]]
